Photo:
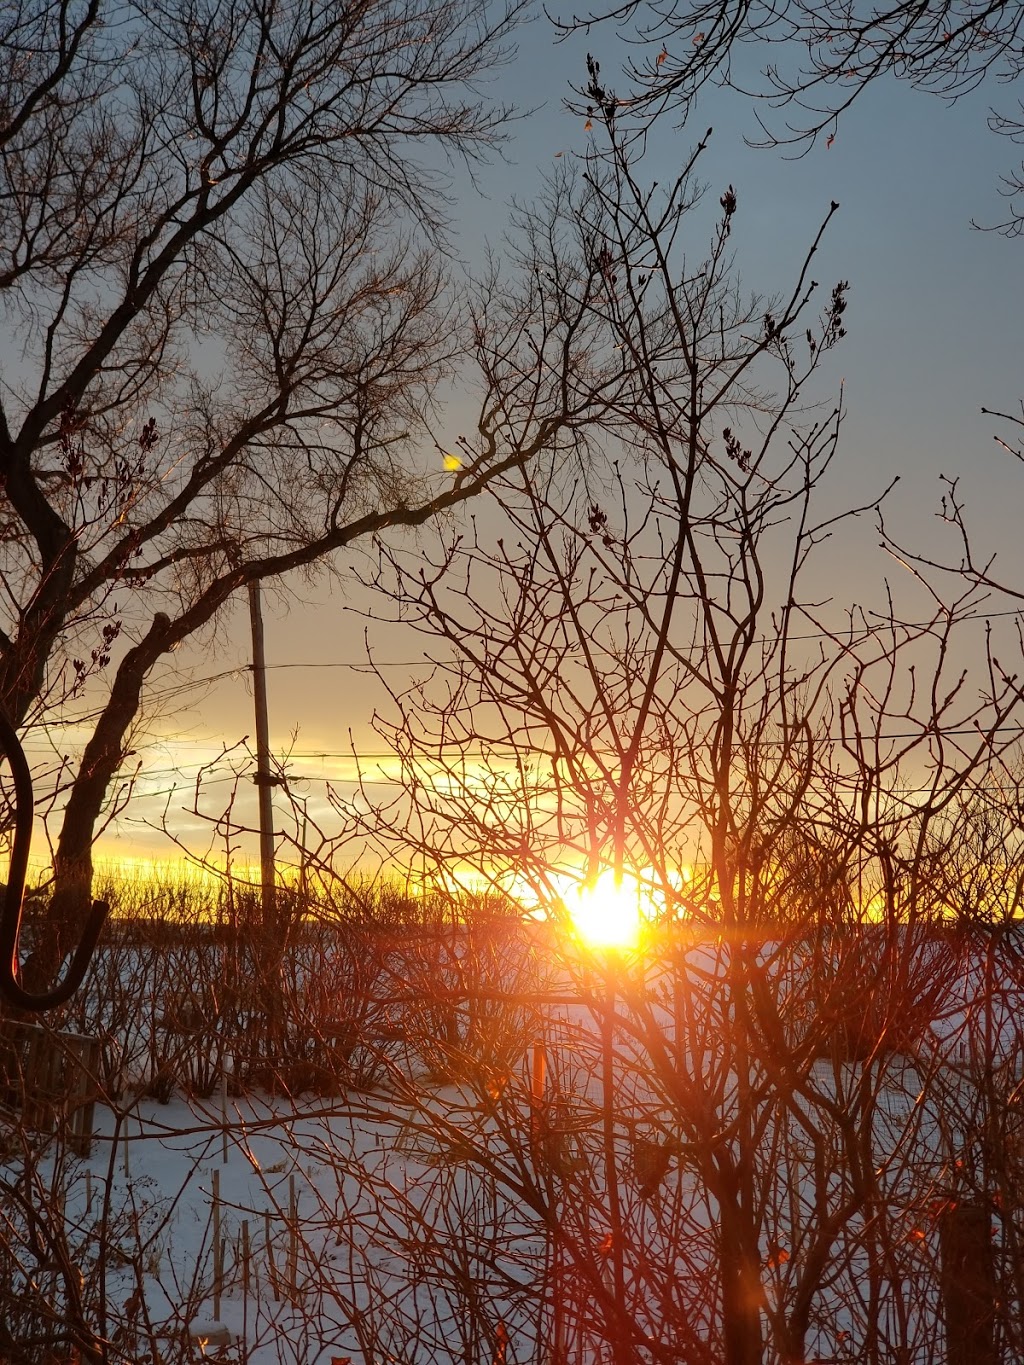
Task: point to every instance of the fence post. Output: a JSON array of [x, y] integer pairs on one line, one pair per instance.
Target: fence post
[[968, 1284]]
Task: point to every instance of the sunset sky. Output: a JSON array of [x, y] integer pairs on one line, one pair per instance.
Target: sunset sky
[[935, 331]]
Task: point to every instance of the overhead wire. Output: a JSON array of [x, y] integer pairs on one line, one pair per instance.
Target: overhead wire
[[371, 663], [514, 754], [170, 771]]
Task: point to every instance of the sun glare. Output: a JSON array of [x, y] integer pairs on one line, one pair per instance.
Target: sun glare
[[606, 913]]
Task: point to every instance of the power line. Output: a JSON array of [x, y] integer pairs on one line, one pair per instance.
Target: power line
[[516, 754], [848, 632], [921, 789]]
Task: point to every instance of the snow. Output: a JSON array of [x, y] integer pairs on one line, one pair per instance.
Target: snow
[[404, 1220]]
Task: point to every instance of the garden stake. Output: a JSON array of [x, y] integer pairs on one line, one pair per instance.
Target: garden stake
[[243, 1256], [293, 1241], [270, 1256], [218, 1246]]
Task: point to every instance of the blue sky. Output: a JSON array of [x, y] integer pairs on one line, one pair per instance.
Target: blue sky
[[935, 320], [935, 333]]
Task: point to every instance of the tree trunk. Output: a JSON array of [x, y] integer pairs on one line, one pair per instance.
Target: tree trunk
[[742, 1292], [25, 657], [968, 1285], [72, 863]]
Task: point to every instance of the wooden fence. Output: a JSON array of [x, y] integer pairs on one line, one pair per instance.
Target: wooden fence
[[50, 1080]]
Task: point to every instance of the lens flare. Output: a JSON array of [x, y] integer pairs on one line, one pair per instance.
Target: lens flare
[[606, 912]]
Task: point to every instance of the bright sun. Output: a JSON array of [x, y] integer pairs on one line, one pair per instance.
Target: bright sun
[[606, 913]]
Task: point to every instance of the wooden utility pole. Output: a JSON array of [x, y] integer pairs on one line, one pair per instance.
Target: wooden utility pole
[[264, 779]]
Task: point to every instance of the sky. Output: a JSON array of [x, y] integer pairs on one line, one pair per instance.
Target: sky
[[935, 330]]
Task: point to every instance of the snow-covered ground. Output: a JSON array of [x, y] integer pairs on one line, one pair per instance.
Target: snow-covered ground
[[318, 1209], [501, 1213]]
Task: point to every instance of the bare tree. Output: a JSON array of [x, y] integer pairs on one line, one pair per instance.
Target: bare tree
[[642, 678], [223, 233], [816, 57]]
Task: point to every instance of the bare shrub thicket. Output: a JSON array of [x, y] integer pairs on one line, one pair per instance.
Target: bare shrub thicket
[[176, 997], [567, 1192], [643, 675], [91, 1244]]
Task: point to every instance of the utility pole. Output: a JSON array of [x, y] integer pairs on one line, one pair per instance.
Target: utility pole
[[264, 779]]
